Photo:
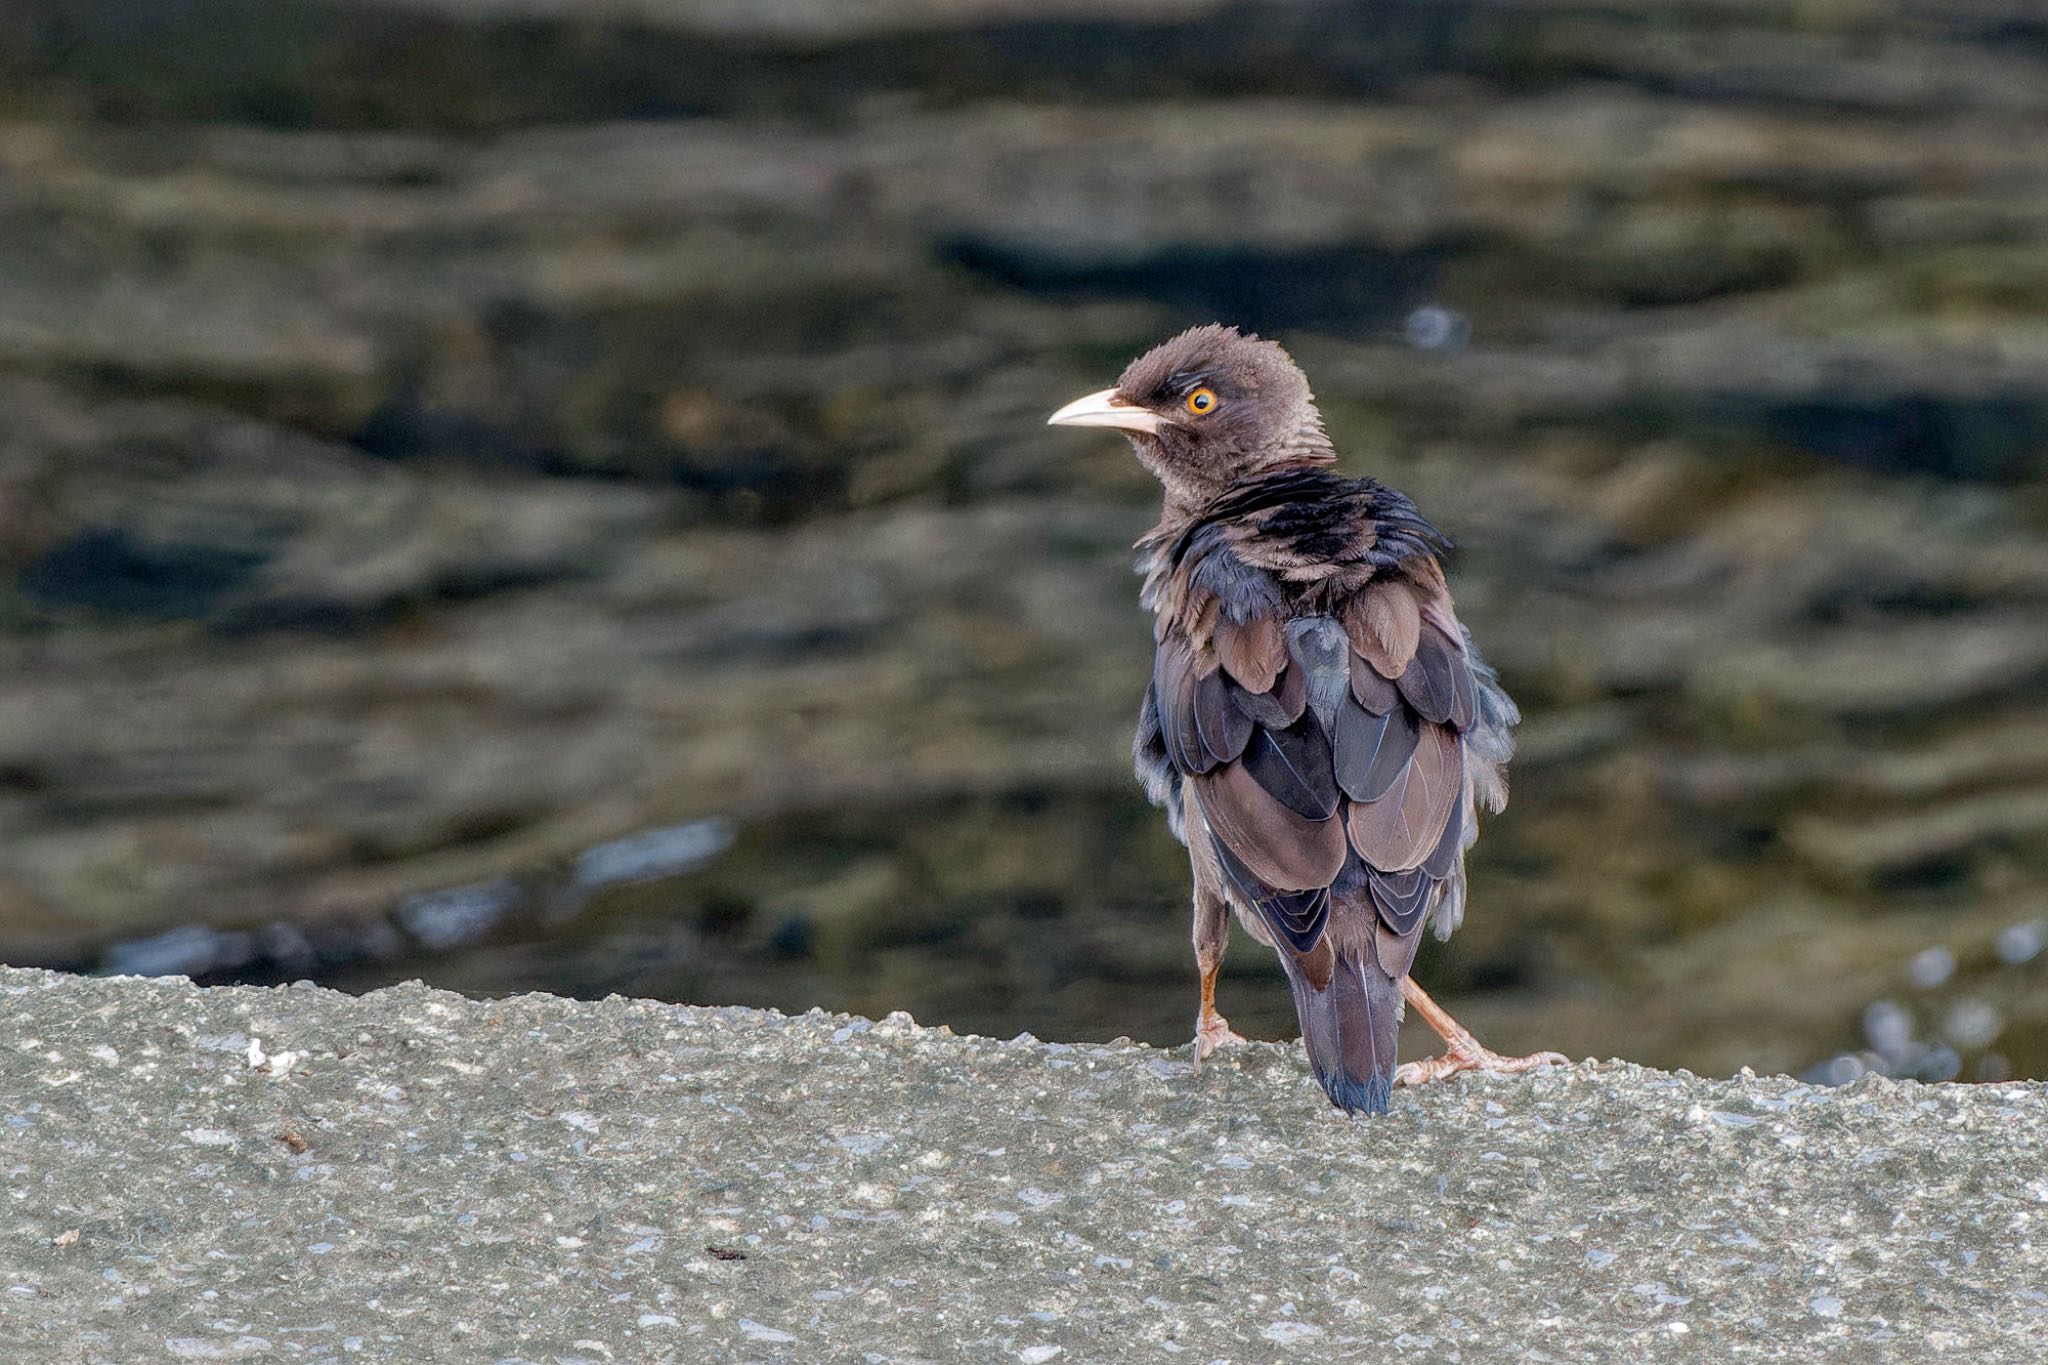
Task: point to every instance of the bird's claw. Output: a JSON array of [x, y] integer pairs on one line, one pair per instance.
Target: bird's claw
[[1472, 1057], [1212, 1031]]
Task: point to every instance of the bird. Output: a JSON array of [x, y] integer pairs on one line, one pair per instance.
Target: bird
[[1318, 726]]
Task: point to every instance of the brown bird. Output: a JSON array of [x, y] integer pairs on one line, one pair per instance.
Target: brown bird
[[1319, 726]]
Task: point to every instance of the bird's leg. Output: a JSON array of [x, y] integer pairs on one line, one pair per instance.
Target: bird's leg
[[1212, 935], [1462, 1052], [1212, 1030]]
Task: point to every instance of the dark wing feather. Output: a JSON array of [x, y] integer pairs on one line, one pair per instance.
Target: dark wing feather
[[1375, 693], [1371, 751], [1398, 830], [1223, 727], [1467, 710], [1296, 916], [1401, 897], [1173, 692], [1282, 848], [1294, 767], [1443, 859], [1156, 773], [1465, 694], [1438, 682], [1278, 708]]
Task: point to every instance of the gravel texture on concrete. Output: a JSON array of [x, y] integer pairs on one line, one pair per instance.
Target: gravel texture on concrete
[[294, 1174]]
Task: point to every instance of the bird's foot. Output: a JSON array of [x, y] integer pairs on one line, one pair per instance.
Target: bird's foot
[[1467, 1054], [1212, 1031]]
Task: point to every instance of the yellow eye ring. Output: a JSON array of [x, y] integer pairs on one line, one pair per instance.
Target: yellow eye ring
[[1202, 401]]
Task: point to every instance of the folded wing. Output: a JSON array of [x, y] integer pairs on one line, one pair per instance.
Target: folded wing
[[1336, 760]]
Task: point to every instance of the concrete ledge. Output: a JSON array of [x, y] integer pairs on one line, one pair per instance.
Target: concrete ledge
[[298, 1175]]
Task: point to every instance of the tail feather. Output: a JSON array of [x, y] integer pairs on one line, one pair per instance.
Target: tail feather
[[1349, 1027]]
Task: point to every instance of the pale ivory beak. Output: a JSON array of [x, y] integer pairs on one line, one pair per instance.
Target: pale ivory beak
[[1105, 409]]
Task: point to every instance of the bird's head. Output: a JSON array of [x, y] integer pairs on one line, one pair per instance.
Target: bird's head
[[1209, 407]]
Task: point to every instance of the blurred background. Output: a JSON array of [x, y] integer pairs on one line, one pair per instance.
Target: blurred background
[[554, 494]]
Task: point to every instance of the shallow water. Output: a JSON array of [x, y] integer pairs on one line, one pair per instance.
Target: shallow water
[[417, 496]]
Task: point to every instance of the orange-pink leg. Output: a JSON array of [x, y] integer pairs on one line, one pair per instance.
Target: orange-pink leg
[[1212, 1030], [1212, 936], [1462, 1051]]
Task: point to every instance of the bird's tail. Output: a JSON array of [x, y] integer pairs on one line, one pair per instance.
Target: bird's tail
[[1349, 1025]]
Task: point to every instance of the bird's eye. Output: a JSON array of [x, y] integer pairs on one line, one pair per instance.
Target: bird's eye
[[1201, 401]]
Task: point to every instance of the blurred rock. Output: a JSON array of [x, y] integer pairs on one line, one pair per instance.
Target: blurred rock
[[190, 950], [1931, 967], [447, 919], [2021, 943], [651, 856]]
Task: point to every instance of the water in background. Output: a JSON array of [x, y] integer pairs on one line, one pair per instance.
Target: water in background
[[538, 497]]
